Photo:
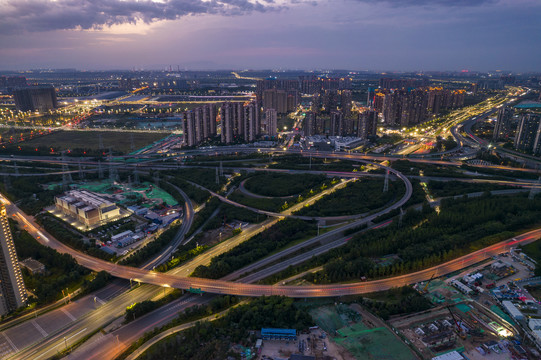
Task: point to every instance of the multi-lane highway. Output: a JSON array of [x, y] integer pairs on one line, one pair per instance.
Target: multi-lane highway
[[226, 287]]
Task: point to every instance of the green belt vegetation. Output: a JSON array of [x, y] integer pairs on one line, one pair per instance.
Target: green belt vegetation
[[453, 188], [279, 185], [69, 236], [280, 204], [217, 304], [193, 192], [299, 162], [61, 270], [361, 196], [259, 246], [152, 248], [427, 238], [212, 340], [22, 190]]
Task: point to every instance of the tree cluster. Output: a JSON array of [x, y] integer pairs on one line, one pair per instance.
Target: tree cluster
[[214, 340], [358, 197], [259, 246], [427, 238]]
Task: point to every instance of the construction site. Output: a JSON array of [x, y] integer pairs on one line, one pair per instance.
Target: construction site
[[467, 327]]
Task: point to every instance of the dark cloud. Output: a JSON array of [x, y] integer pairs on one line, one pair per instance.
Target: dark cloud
[[440, 3], [44, 15]]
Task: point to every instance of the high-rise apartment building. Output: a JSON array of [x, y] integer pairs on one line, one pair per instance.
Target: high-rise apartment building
[[12, 290], [271, 121], [337, 126], [199, 124], [226, 120], [368, 124], [503, 126], [189, 128], [528, 137], [252, 121], [275, 99], [42, 98]]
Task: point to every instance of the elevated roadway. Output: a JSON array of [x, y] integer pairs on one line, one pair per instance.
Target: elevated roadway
[[227, 287]]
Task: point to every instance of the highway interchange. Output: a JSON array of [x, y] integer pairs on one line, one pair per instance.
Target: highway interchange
[[106, 311]]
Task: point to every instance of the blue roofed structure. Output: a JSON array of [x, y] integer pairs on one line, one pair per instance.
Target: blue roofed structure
[[278, 334]]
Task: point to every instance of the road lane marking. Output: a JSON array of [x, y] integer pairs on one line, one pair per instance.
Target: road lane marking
[[69, 315], [99, 300], [10, 342], [62, 344], [39, 328]]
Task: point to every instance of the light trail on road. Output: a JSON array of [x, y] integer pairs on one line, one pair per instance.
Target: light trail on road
[[234, 288]]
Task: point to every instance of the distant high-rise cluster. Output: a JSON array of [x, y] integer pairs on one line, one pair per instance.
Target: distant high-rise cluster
[[305, 84], [12, 290], [283, 101], [12, 81], [199, 124], [363, 126], [489, 84], [328, 101], [130, 84], [237, 122], [390, 83], [406, 107], [35, 98]]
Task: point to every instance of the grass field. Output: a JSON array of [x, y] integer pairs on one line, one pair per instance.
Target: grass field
[[377, 343], [356, 198], [272, 184], [362, 342], [116, 140]]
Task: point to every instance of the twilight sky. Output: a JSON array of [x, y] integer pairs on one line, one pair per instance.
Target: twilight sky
[[271, 34]]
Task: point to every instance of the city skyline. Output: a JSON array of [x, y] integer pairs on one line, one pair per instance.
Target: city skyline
[[477, 35]]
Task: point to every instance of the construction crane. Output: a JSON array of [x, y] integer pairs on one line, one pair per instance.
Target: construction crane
[[428, 282], [459, 330]]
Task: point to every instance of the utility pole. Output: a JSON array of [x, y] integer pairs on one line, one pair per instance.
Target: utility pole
[[534, 190], [81, 173], [100, 170], [135, 176], [386, 183]]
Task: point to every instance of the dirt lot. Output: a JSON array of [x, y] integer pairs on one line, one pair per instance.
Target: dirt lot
[[315, 345], [116, 140]]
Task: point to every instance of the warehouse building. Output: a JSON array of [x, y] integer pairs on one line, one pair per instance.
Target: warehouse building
[[512, 310], [87, 207]]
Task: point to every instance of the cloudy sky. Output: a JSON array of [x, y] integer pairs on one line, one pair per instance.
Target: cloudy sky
[[271, 34]]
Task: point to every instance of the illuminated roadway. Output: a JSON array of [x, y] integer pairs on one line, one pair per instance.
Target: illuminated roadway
[[226, 287]]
